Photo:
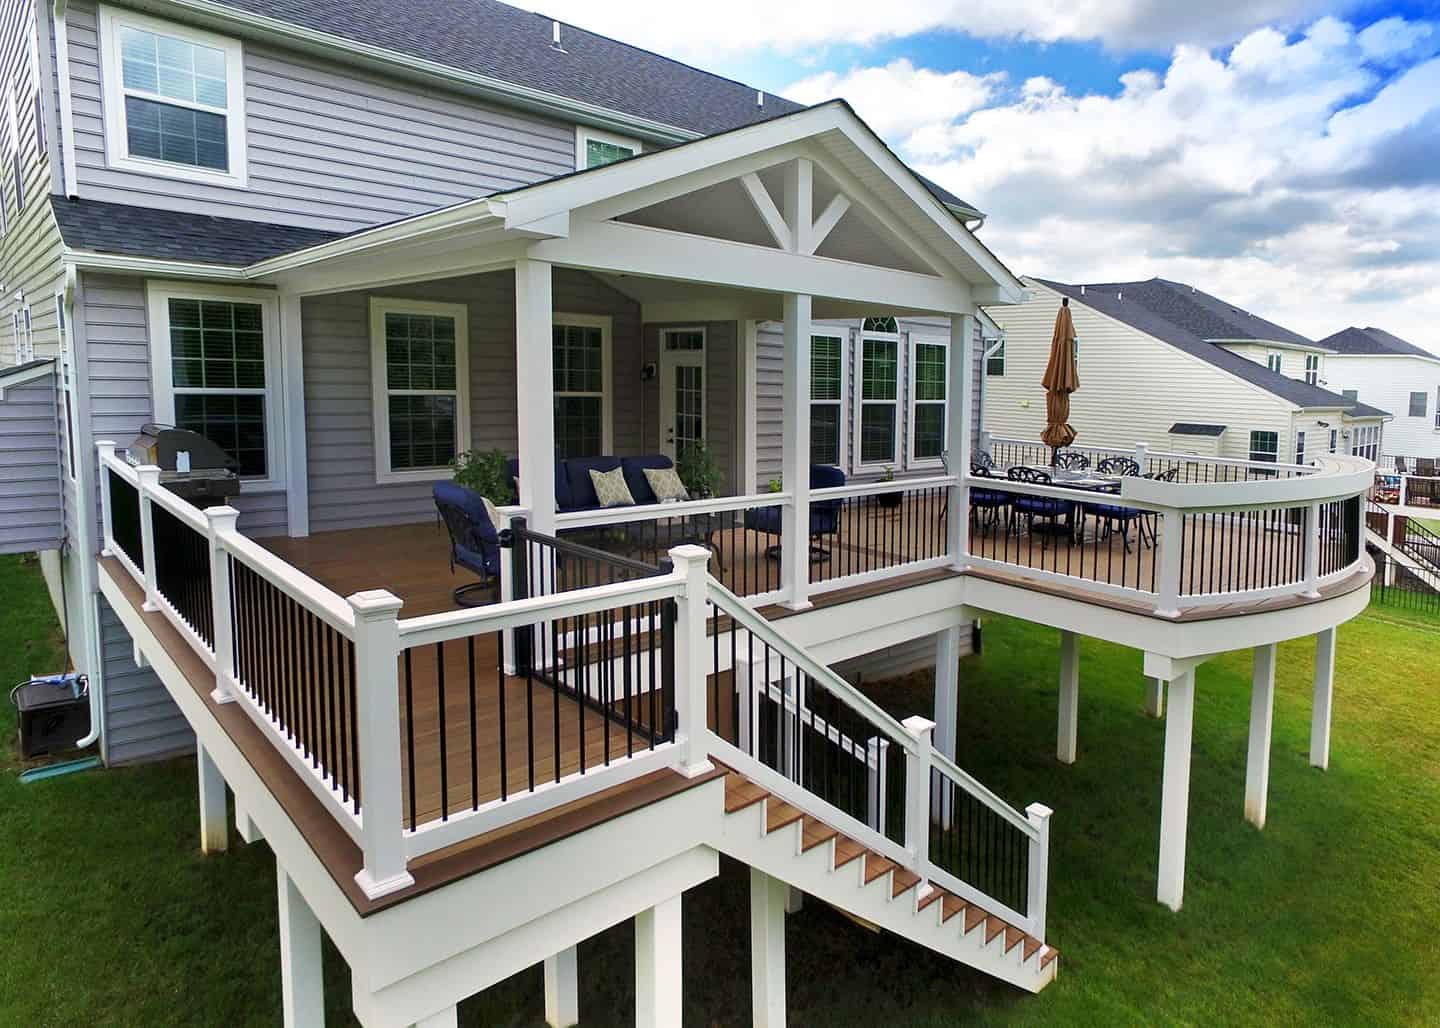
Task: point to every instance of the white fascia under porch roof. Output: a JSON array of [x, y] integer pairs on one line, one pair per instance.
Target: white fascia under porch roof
[[830, 133]]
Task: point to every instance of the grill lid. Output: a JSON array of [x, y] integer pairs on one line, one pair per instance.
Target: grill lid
[[158, 445]]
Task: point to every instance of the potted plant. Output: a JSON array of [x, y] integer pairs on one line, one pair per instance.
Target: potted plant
[[889, 501], [698, 471], [777, 484], [486, 472]]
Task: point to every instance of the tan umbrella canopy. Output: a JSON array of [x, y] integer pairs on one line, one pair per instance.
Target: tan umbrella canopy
[[1061, 379]]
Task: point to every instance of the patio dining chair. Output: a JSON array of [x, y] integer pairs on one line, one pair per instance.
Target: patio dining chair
[[1122, 467], [1071, 460], [986, 504], [1044, 508], [474, 543]]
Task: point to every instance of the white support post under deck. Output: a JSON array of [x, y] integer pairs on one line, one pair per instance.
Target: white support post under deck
[[659, 968], [1175, 790], [1324, 695], [302, 976], [1066, 732], [214, 829], [1262, 717], [947, 688], [767, 950], [795, 463], [1154, 697], [957, 436], [534, 384], [562, 989]]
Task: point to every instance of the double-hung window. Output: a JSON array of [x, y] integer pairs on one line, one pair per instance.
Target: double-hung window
[[1273, 362], [420, 377], [1299, 447], [929, 399], [827, 393], [25, 345], [995, 359], [215, 370], [581, 355], [1265, 446], [1418, 402], [174, 99], [1312, 369], [594, 148], [879, 390]]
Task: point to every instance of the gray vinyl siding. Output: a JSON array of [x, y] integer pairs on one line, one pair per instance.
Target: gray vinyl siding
[[31, 513], [339, 410], [722, 384], [328, 146], [142, 722], [769, 402]]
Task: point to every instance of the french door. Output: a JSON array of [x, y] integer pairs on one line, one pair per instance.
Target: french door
[[682, 389]]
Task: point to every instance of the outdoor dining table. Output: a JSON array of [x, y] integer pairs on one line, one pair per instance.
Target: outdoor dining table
[[1087, 481]]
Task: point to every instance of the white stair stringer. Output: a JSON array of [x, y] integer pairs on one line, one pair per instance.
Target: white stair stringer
[[988, 945]]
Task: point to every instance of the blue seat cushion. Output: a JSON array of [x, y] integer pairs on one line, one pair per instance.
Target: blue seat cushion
[[1107, 510], [1042, 506], [634, 468], [477, 545], [562, 483], [582, 489], [988, 498]]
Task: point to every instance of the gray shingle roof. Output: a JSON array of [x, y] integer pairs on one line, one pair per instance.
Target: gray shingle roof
[[1158, 311], [1373, 341], [1196, 428], [116, 228], [489, 38]]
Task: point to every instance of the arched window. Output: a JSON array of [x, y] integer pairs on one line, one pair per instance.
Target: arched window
[[880, 325]]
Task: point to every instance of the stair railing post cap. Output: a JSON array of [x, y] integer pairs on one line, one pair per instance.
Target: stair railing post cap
[[1038, 812], [374, 604], [918, 725]]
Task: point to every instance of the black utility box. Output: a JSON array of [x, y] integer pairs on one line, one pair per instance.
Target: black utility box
[[53, 716]]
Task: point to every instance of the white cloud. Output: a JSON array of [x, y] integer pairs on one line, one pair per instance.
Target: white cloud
[[1296, 176], [703, 31]]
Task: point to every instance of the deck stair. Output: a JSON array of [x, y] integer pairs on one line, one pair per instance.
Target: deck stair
[[787, 843]]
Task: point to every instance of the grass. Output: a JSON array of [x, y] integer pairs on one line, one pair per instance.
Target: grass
[[110, 915]]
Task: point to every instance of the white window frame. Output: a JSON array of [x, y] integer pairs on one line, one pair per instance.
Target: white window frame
[[991, 351], [67, 381], [39, 97], [117, 143], [859, 401], [1275, 362], [1300, 447], [1251, 451], [583, 134], [27, 318], [158, 295], [912, 401], [380, 387], [843, 403], [15, 325], [607, 398], [14, 166], [1312, 369], [1424, 395]]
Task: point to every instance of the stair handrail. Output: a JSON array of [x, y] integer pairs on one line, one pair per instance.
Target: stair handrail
[[985, 795]]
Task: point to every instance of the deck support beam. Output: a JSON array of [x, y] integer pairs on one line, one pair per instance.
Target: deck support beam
[[562, 989], [214, 831], [1175, 790], [302, 978], [1324, 694], [658, 965], [245, 826], [947, 688], [1067, 732], [1262, 718], [1154, 698], [795, 459], [534, 384], [767, 950]]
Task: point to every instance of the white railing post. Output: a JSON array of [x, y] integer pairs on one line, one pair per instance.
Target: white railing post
[[377, 689], [1142, 456], [917, 794], [1167, 582], [1039, 876], [691, 565], [1404, 489], [149, 476], [507, 594], [1312, 551], [105, 448], [220, 521], [877, 781]]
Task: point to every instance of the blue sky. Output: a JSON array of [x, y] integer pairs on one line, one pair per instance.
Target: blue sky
[[1284, 154]]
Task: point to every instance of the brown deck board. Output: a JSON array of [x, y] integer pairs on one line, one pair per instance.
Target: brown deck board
[[846, 850], [876, 865], [953, 905], [814, 833], [778, 814]]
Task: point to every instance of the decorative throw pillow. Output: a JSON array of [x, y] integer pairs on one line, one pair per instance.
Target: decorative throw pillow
[[496, 518], [610, 488], [666, 484]]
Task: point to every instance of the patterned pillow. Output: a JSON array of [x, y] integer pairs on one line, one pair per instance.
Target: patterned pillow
[[666, 484], [496, 518], [611, 489]]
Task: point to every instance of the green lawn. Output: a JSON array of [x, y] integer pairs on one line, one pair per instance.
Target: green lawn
[[1327, 917]]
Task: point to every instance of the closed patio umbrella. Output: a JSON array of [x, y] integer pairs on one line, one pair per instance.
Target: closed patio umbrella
[[1061, 379]]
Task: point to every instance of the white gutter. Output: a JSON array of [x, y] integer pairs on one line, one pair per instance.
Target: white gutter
[[87, 260]]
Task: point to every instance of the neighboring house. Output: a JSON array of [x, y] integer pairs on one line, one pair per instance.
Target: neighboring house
[[1164, 364], [1373, 366], [348, 241]]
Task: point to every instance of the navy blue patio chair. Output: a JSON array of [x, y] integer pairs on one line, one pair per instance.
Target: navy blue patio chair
[[986, 504], [824, 514], [1033, 508], [474, 543], [1113, 515]]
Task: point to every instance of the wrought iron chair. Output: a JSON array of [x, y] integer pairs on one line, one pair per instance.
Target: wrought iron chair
[[1111, 515], [1071, 460], [474, 543], [1121, 466], [986, 504], [1045, 508]]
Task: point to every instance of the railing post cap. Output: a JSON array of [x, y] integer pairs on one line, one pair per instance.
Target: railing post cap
[[374, 604], [221, 514], [149, 471], [105, 444], [1038, 812], [689, 554], [917, 725]]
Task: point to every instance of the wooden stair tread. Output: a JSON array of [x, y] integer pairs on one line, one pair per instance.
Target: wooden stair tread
[[740, 793], [953, 905], [778, 814], [846, 850], [934, 895], [876, 865], [903, 880], [1031, 945], [973, 916], [1013, 936], [814, 832], [993, 927], [1048, 957]]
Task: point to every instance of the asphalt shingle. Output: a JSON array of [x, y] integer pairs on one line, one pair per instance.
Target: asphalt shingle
[[1373, 341]]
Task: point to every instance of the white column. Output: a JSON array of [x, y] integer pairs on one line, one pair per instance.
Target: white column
[[767, 950], [1066, 732], [149, 476], [1154, 697], [947, 688], [245, 826], [1038, 884], [1175, 790], [957, 434], [214, 831], [302, 976], [1324, 692], [658, 966], [297, 470], [795, 461], [691, 660], [220, 521], [917, 795], [534, 388], [377, 648], [1262, 717], [562, 989]]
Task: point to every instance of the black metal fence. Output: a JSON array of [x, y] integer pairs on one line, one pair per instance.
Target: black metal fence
[[1403, 586], [976, 844], [182, 571], [125, 518]]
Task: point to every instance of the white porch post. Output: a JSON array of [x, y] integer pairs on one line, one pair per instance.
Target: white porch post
[[1154, 697], [1262, 717], [767, 950], [292, 361], [658, 965], [214, 831], [534, 386], [795, 462], [947, 688], [562, 989], [302, 978], [957, 436], [1324, 692], [1067, 730], [1175, 790]]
